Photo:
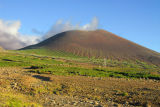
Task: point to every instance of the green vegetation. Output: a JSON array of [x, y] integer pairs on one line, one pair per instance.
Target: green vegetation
[[16, 59], [37, 62], [11, 100], [93, 60], [124, 94], [98, 72], [47, 52]]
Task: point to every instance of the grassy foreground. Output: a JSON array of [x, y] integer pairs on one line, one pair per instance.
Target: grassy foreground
[[58, 63], [37, 76]]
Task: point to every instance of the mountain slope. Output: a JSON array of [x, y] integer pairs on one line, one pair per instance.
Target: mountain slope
[[100, 44]]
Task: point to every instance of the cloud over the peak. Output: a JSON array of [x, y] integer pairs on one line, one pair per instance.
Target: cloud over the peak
[[11, 38], [61, 26]]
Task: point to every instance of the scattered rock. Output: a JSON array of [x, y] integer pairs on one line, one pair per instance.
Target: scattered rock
[[14, 85], [96, 103]]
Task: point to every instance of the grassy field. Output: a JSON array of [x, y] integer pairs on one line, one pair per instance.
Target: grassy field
[[35, 74], [92, 60], [59, 63]]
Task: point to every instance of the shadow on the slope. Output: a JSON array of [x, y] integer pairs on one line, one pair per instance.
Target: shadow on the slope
[[43, 78]]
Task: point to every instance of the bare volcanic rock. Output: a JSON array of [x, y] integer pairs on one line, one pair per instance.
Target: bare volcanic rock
[[100, 44]]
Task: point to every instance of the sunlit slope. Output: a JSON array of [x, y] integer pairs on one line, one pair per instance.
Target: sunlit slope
[[98, 44]]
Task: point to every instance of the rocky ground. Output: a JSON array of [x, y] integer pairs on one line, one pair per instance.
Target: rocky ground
[[75, 91]]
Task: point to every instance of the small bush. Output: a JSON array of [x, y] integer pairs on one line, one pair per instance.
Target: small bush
[[124, 94]]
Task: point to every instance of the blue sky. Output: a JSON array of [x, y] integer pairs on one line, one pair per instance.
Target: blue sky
[[135, 20]]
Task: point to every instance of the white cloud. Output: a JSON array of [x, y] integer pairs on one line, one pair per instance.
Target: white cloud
[[11, 38], [91, 26], [10, 27]]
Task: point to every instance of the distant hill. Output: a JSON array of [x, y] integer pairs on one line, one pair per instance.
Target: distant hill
[[99, 44]]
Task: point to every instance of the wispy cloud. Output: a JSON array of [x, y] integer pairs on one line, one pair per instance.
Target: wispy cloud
[[37, 32], [11, 38], [61, 26]]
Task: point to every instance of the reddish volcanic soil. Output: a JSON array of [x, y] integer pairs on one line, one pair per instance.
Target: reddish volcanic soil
[[100, 44]]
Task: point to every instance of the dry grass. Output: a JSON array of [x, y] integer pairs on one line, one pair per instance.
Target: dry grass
[[34, 90], [12, 84]]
